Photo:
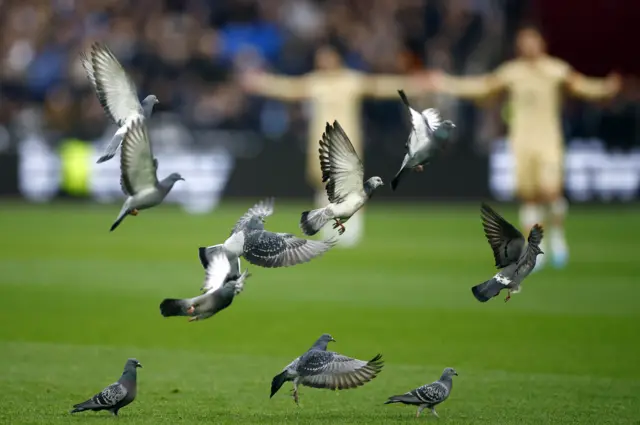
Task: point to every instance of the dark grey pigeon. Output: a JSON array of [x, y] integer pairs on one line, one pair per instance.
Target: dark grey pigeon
[[343, 173], [263, 248], [429, 395], [428, 136], [138, 174], [220, 288], [510, 254], [117, 395], [116, 92], [319, 368]]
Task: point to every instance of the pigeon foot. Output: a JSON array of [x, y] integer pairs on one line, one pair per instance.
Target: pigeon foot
[[508, 297], [134, 212], [193, 319], [340, 226]]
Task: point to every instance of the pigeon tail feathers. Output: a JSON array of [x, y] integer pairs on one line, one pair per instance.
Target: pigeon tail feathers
[[277, 382], [112, 147], [312, 221], [398, 177], [173, 307], [487, 290], [123, 214], [403, 96], [404, 398]]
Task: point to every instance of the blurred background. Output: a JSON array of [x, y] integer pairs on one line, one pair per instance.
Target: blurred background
[[197, 55]]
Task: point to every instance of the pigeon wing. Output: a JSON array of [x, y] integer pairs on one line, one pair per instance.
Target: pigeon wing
[[535, 237], [216, 272], [506, 241], [269, 249], [116, 92], [137, 164], [106, 398], [324, 369], [433, 393], [341, 167], [262, 209], [419, 136]]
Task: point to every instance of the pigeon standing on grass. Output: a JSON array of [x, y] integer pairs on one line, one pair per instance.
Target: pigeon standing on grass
[[116, 92], [319, 368], [428, 135], [429, 395], [138, 178], [220, 288], [115, 396], [510, 254], [263, 248], [343, 173]]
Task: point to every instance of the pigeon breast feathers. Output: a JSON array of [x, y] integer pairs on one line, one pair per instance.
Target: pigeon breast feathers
[[341, 167], [325, 369], [506, 241], [116, 92], [137, 164]]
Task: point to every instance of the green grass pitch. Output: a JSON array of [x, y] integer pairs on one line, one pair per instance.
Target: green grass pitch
[[78, 301]]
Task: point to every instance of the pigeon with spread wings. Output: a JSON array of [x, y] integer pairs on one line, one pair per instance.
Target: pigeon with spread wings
[[116, 92], [511, 256], [263, 248], [343, 173], [138, 177], [319, 368], [428, 135], [220, 288]]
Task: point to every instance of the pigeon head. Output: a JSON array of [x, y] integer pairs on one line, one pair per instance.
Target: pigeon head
[[132, 364], [372, 184], [443, 132], [174, 177], [448, 373], [323, 341], [148, 103], [256, 222]]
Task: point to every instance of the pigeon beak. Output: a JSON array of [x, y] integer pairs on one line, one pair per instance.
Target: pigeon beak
[[540, 251], [333, 340], [455, 373], [181, 179], [138, 365]]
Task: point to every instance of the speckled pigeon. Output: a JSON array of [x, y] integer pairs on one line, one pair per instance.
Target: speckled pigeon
[[117, 395], [263, 248], [510, 255], [343, 173], [428, 135], [319, 368], [429, 395], [220, 288], [138, 178], [116, 92]]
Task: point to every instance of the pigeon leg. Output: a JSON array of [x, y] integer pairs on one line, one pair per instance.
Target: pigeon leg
[[295, 393], [194, 318], [508, 297], [433, 410], [134, 211], [420, 409], [418, 168], [340, 225]]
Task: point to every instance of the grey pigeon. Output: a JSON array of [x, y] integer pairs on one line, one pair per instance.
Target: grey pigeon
[[206, 254], [263, 248], [343, 173], [138, 178], [429, 395], [115, 396], [220, 288], [319, 368], [427, 137], [510, 254], [116, 92]]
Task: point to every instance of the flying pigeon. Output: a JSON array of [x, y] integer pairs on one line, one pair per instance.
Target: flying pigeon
[[206, 254], [510, 254], [138, 178], [263, 248], [220, 288], [343, 172], [115, 396], [429, 395], [427, 137], [319, 368], [116, 92]]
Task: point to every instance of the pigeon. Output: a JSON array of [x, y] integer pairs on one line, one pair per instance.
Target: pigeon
[[138, 178], [343, 173], [427, 137], [319, 368], [220, 288], [116, 92], [429, 395], [115, 396], [510, 255], [263, 248], [206, 254]]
